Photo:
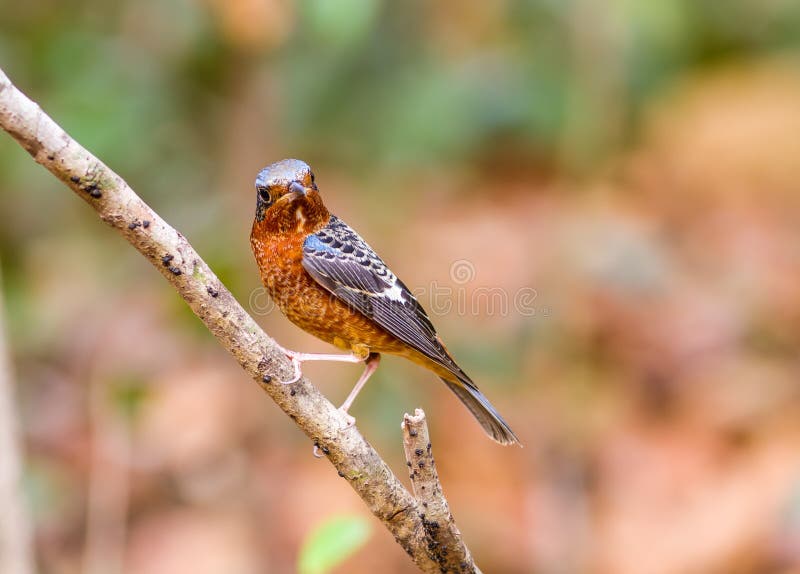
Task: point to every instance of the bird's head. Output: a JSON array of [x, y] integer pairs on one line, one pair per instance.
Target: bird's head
[[287, 199]]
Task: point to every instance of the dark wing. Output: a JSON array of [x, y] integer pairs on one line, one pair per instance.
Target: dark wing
[[339, 260], [342, 262]]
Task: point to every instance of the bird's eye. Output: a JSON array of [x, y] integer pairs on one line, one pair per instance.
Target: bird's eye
[[312, 177], [264, 195]]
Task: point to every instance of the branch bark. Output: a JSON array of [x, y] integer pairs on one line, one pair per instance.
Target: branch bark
[[428, 492], [172, 255]]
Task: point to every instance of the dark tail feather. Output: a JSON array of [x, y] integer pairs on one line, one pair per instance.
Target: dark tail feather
[[490, 419]]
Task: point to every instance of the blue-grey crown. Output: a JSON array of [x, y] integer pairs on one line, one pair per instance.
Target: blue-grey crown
[[282, 172]]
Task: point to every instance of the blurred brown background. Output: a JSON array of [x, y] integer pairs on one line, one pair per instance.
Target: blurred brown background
[[605, 192]]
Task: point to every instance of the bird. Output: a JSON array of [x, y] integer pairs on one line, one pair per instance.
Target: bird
[[328, 281]]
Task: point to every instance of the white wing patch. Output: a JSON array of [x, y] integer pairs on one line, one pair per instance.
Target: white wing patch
[[395, 292]]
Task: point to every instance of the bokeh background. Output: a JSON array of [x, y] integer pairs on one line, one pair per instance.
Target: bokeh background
[[632, 168]]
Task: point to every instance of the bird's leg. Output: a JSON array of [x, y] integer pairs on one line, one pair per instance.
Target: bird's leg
[[372, 362], [298, 359]]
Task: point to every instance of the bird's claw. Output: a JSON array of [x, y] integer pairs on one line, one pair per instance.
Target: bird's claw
[[317, 453], [349, 419], [298, 372]]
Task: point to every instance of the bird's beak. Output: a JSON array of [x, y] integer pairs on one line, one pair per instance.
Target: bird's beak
[[296, 190]]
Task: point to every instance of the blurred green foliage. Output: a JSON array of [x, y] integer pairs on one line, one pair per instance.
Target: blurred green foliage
[[175, 94], [366, 85], [373, 83], [187, 99], [331, 542]]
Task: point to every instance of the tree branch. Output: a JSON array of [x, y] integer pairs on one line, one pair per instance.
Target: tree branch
[[440, 528], [172, 255]]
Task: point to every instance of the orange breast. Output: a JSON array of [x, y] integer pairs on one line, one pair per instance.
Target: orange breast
[[308, 305]]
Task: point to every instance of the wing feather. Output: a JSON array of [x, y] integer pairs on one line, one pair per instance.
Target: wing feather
[[342, 262]]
